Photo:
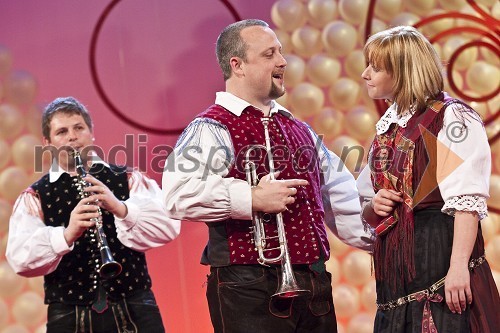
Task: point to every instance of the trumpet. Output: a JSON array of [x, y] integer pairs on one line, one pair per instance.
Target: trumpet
[[109, 267], [288, 286]]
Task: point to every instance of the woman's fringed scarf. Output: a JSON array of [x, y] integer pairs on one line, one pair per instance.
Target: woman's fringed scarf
[[398, 159]]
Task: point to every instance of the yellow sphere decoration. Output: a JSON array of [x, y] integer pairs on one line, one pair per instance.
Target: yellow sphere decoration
[[387, 9], [15, 328], [333, 266], [353, 11], [490, 226], [483, 78], [10, 283], [34, 121], [3, 244], [488, 3], [295, 70], [4, 313], [337, 247], [496, 277], [5, 61], [23, 151], [321, 12], [306, 99], [339, 38], [285, 40], [466, 57], [356, 267], [5, 211], [369, 296], [361, 323], [344, 93], [494, 200], [306, 41], [28, 309], [468, 10], [36, 284], [20, 88], [457, 79], [377, 26], [12, 121], [283, 100], [435, 27], [346, 300], [41, 329], [493, 252], [360, 123], [420, 7], [350, 151], [452, 4], [323, 70], [329, 123], [13, 181], [355, 64], [288, 15], [404, 18], [495, 11], [489, 56], [481, 108], [4, 153]]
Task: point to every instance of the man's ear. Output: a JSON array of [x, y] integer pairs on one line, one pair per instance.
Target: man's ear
[[45, 141], [237, 66]]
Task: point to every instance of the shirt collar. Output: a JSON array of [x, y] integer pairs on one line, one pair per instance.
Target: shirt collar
[[236, 105], [57, 171], [390, 117]]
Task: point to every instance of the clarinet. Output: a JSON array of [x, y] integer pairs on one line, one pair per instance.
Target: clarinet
[[109, 267]]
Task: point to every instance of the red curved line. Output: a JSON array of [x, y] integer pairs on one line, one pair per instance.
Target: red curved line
[[100, 90], [469, 17], [454, 31], [494, 138], [232, 10], [454, 57], [492, 118], [486, 16], [494, 210]]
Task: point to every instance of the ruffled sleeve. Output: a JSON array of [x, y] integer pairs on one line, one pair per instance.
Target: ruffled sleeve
[[463, 162]]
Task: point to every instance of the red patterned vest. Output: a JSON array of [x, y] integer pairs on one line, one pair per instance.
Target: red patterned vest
[[295, 156]]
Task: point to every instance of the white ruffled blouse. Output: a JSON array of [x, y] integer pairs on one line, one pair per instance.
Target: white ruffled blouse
[[465, 188]]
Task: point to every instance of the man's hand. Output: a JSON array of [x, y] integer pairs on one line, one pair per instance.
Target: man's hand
[[103, 197], [384, 202], [272, 196], [82, 217]]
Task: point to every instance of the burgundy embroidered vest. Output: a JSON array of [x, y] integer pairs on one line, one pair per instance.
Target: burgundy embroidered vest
[[295, 156]]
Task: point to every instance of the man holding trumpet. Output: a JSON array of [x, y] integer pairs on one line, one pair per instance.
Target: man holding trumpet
[[265, 186], [85, 227]]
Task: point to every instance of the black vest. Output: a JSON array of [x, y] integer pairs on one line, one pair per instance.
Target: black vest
[[76, 281]]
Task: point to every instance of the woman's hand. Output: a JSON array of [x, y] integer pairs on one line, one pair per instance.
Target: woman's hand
[[384, 202]]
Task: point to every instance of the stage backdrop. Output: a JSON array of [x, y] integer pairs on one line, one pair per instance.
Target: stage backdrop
[[144, 69]]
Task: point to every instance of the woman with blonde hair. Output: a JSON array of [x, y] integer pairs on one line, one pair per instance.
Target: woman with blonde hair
[[424, 192]]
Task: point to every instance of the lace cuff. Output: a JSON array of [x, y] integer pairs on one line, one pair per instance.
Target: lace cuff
[[466, 203]]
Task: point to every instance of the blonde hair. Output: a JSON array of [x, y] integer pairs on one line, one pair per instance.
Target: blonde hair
[[411, 60]]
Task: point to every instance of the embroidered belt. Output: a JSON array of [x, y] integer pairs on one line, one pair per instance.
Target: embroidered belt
[[426, 293]]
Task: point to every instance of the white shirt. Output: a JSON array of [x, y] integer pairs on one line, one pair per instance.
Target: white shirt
[[35, 249], [466, 188], [195, 186]]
